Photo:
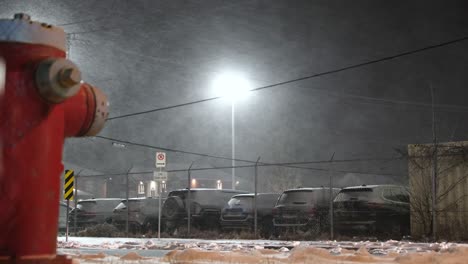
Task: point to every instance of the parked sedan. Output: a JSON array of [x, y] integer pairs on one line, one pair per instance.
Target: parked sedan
[[93, 211], [374, 209], [239, 212], [142, 214]]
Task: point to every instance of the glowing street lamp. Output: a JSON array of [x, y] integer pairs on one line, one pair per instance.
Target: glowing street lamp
[[233, 86]]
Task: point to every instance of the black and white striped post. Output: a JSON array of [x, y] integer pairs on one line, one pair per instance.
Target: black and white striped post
[[68, 194]]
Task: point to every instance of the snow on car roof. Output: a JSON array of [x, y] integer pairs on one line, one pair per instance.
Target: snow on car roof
[[372, 186], [210, 189], [252, 194], [308, 189]]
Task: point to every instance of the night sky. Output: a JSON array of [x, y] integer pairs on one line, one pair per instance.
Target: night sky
[[153, 54]]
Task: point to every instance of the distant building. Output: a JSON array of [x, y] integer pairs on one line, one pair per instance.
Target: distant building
[[451, 192], [141, 181]]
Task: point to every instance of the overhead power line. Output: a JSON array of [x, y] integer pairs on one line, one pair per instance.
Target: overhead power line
[[330, 72], [240, 160], [250, 166]]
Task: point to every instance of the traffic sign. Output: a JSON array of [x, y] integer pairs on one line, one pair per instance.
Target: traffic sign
[[160, 175], [160, 159], [69, 183]]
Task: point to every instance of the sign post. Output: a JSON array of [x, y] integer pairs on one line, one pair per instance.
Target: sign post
[[68, 194], [160, 163]]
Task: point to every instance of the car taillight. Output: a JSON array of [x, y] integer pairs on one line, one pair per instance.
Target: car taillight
[[89, 214], [374, 205], [312, 211], [275, 211]]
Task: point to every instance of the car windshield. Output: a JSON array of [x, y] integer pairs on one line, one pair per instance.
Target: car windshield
[[297, 197], [180, 194], [243, 202], [357, 194], [133, 204], [205, 196], [121, 205], [88, 206]]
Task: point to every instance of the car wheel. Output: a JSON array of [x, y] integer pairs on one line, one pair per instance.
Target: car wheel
[[173, 206], [314, 228], [267, 227], [170, 226], [146, 227]]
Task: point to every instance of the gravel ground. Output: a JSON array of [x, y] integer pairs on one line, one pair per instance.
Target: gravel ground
[[262, 251]]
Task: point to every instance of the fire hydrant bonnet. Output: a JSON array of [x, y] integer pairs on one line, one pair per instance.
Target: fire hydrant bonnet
[[21, 29]]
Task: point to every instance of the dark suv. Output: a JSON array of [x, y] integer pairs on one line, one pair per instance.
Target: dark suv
[[377, 209], [142, 212], [206, 206], [239, 212], [305, 209], [93, 211]]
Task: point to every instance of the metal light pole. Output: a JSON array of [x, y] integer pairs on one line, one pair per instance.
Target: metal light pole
[[233, 138], [232, 85]]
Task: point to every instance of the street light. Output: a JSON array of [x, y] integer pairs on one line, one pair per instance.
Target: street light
[[233, 86]]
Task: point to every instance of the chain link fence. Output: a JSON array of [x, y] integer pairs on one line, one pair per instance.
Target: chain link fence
[[304, 202]]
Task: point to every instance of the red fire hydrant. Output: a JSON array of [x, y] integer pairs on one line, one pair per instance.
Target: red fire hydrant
[[43, 101]]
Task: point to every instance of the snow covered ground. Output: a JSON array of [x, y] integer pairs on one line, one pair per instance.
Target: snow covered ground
[[262, 251]]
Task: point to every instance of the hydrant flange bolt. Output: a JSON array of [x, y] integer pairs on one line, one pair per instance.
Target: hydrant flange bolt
[[22, 16]]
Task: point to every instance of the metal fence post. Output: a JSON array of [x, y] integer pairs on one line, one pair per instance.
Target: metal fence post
[[255, 197], [66, 219], [434, 170], [189, 203], [331, 196], [128, 202], [159, 205], [76, 204]]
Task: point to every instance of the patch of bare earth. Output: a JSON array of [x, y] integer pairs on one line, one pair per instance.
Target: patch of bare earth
[[313, 255]]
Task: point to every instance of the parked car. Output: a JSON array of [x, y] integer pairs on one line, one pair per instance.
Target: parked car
[[93, 211], [62, 221], [142, 214], [305, 209], [206, 206], [239, 212], [377, 209]]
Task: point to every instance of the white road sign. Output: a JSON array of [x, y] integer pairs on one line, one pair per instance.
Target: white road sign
[[160, 175], [160, 159]]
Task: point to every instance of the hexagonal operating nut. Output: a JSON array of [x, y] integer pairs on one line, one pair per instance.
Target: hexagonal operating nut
[[57, 79], [69, 76]]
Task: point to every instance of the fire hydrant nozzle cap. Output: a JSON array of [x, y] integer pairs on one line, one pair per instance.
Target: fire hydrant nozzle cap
[[57, 79], [22, 16]]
